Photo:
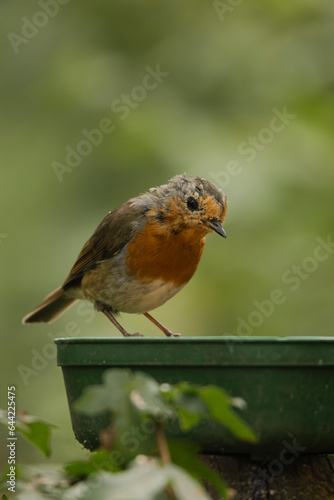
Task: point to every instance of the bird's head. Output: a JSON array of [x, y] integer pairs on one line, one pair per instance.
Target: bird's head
[[189, 204]]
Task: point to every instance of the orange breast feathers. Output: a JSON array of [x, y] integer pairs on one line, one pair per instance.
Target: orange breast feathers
[[156, 253]]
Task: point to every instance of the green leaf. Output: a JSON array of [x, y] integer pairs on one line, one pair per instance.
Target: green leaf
[[193, 403], [95, 399], [129, 397], [146, 396], [98, 461], [120, 385], [183, 485], [187, 419], [79, 470], [38, 433], [143, 481], [110, 395], [185, 455], [133, 399], [187, 402], [34, 429], [188, 397], [218, 403], [39, 482], [118, 380]]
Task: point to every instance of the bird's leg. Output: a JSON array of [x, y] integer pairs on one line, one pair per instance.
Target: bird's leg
[[167, 332], [99, 306]]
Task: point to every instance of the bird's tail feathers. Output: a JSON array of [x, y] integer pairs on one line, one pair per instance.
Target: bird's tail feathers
[[52, 306]]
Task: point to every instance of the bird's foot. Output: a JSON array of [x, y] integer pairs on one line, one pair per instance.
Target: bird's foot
[[168, 333], [126, 334], [99, 306]]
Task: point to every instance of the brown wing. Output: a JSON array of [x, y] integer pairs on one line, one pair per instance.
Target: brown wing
[[109, 238]]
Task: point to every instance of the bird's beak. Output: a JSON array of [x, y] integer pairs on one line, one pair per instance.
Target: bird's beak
[[217, 226]]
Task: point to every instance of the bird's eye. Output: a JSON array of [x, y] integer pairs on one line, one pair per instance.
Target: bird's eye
[[192, 204]]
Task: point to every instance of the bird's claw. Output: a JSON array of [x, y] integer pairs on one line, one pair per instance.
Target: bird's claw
[[133, 335]]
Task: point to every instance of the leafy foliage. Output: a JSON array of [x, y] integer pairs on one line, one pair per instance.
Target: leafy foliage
[[98, 461], [185, 456], [34, 429], [195, 402], [156, 468], [120, 388]]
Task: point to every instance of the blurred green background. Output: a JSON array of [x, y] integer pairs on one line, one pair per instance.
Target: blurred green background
[[245, 98]]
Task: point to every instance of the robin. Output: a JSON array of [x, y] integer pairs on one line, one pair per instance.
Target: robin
[[142, 253]]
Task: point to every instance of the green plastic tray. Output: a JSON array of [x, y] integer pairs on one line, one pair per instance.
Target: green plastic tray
[[288, 384]]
